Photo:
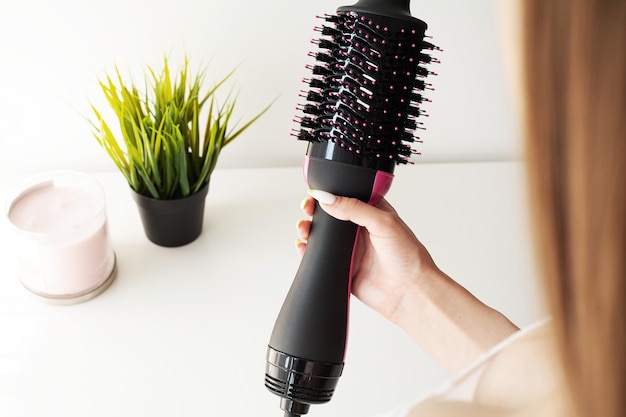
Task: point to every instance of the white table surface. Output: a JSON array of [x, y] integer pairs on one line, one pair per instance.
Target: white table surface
[[183, 331]]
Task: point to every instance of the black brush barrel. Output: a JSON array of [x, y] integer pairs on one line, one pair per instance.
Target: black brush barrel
[[367, 87]]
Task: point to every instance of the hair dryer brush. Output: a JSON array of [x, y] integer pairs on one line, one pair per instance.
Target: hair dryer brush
[[360, 118]]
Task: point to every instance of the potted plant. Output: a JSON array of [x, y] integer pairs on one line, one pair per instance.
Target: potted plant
[[161, 150]]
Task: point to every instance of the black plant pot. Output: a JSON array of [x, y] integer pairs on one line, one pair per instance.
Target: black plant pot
[[172, 223]]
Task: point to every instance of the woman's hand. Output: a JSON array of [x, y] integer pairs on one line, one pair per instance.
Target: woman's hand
[[389, 258], [394, 274]]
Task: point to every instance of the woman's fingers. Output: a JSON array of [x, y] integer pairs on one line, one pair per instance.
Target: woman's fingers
[[300, 247], [377, 219], [308, 206], [303, 228]]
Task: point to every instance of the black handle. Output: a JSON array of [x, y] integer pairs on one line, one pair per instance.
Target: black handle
[[312, 323]]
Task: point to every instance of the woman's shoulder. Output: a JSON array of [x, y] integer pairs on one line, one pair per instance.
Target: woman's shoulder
[[548, 406], [518, 378]]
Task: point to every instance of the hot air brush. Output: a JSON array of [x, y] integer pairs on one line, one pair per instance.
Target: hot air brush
[[360, 117]]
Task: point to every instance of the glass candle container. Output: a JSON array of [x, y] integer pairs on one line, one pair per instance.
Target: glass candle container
[[61, 237]]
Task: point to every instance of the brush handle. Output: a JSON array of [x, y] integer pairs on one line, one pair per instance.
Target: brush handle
[[313, 321]]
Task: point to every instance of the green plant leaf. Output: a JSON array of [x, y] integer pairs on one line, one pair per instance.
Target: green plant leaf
[[239, 131], [161, 149]]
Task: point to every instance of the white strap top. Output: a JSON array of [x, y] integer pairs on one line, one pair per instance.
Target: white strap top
[[517, 377]]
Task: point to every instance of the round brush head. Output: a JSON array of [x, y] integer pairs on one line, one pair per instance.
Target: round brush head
[[367, 87]]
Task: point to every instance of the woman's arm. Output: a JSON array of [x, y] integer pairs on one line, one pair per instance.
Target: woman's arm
[[395, 275]]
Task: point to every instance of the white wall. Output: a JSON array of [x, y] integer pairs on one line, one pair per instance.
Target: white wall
[[52, 52]]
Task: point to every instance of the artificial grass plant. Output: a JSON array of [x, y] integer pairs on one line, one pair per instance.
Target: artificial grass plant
[[161, 149]]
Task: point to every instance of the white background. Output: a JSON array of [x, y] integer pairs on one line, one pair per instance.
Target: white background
[[53, 52]]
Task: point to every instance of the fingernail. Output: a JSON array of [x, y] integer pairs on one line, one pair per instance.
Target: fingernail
[[323, 196]]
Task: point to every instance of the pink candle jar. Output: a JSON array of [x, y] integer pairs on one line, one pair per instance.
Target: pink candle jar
[[61, 237]]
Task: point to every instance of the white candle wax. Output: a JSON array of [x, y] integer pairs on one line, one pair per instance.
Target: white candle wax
[[62, 236]]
